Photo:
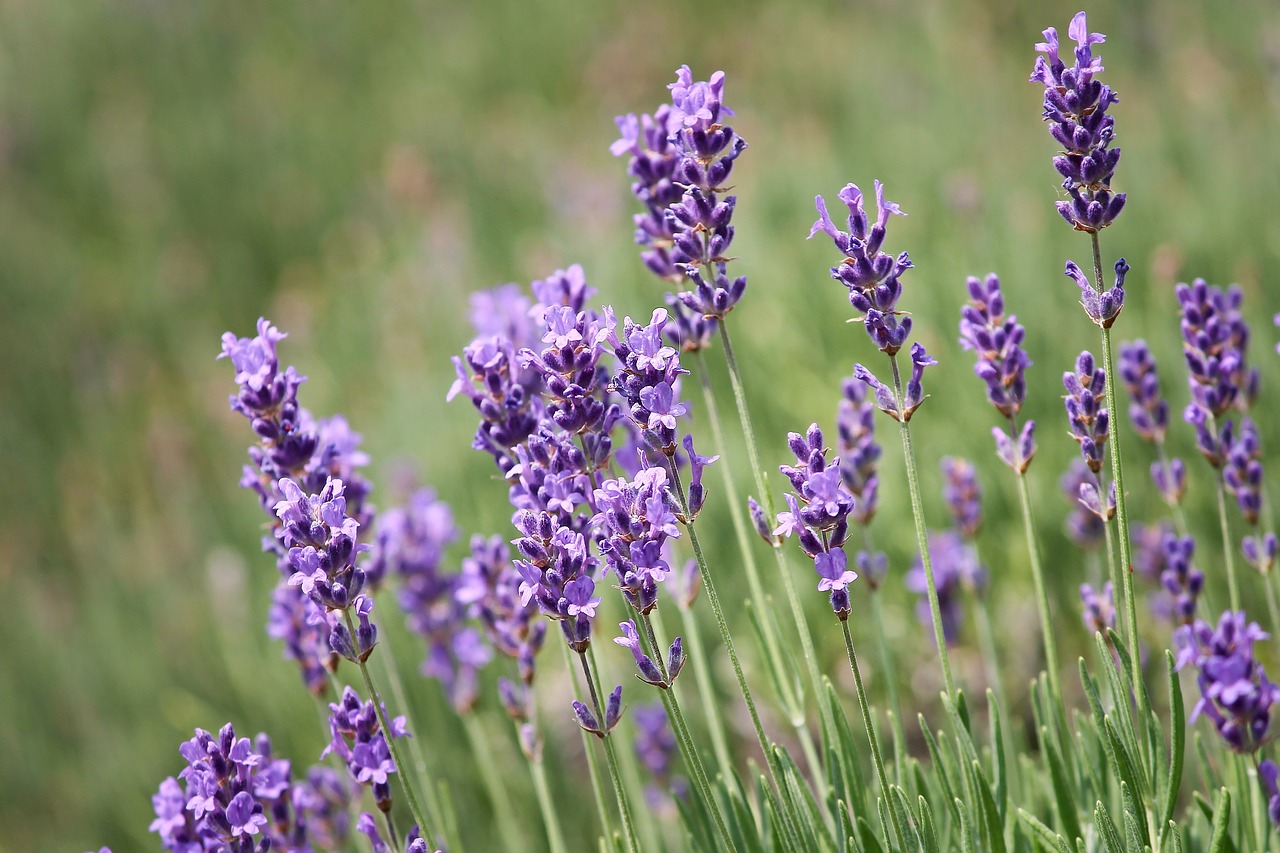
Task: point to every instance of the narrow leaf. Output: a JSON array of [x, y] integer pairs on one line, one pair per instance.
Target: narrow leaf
[[1107, 829], [1177, 748]]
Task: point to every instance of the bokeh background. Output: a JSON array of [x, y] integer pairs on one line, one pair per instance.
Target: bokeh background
[[169, 171]]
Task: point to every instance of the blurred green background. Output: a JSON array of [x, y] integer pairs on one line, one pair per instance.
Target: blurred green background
[[169, 171]]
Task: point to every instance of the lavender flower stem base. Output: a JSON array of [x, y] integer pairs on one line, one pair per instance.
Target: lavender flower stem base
[[792, 705], [706, 691], [508, 830], [593, 763], [797, 613], [430, 802], [1122, 513], [687, 749], [922, 533], [414, 808], [1042, 598], [624, 805], [898, 831], [555, 838]]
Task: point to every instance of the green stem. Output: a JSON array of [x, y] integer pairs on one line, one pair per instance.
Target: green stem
[[922, 533], [891, 688], [684, 740], [555, 839], [1272, 607], [398, 694], [1228, 552], [593, 765], [792, 704], [393, 837], [414, 808], [507, 827], [702, 675], [624, 806], [1122, 513], [898, 831], [1037, 580], [987, 641], [797, 612]]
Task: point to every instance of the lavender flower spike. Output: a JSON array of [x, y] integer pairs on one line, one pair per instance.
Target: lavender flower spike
[[1235, 691], [963, 495], [913, 395], [1086, 409], [1075, 107], [1103, 307]]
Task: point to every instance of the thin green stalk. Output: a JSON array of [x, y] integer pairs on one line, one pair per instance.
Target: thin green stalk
[[687, 749], [392, 835], [398, 694], [891, 688], [1122, 513], [1228, 552], [702, 676], [1113, 570], [922, 533], [624, 806], [1037, 579], [792, 704], [1272, 606], [507, 828], [414, 808], [898, 831], [550, 820], [766, 498], [593, 765]]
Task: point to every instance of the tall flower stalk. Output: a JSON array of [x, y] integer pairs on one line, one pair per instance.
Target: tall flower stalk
[[873, 278], [1076, 108]]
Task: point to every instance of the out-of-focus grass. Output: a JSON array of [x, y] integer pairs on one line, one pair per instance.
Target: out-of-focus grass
[[172, 170]]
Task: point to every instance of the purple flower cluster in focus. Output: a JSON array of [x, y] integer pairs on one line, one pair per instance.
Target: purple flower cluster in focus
[[359, 740], [235, 797], [1235, 691], [819, 515], [1075, 107], [1090, 423]]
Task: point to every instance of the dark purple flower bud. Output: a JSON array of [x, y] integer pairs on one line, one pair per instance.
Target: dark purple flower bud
[[697, 495], [873, 566], [675, 659], [1236, 694], [586, 719], [1214, 337], [1103, 307], [1086, 410], [1268, 773], [1099, 608], [613, 709], [1091, 499], [1016, 454], [760, 522], [997, 341], [962, 494], [649, 672], [1242, 474], [713, 300]]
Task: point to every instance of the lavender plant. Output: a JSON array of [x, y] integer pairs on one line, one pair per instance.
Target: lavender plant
[[587, 426]]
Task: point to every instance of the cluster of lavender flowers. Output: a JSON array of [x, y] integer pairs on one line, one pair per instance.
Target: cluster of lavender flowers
[[956, 570], [859, 469], [1149, 414], [1236, 694], [360, 741], [655, 746], [236, 797], [819, 515], [1090, 424]]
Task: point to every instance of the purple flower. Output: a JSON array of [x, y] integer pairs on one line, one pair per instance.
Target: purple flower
[[1099, 607], [1181, 580], [871, 276], [489, 586], [1242, 473], [997, 341], [630, 639], [1085, 527], [963, 495], [1075, 107], [859, 452], [1268, 773], [955, 568], [1235, 691], [1147, 409], [358, 738], [655, 746], [1261, 551], [886, 400], [1086, 410], [1102, 306]]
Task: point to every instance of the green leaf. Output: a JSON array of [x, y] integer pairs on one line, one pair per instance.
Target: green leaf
[[1208, 772], [1135, 821], [867, 835], [1107, 829], [1119, 685], [697, 821], [966, 834], [1064, 796], [902, 813], [999, 771], [993, 825], [1127, 770], [800, 803], [1174, 833], [1220, 843], [1047, 836], [847, 830], [1177, 748], [944, 770], [847, 753], [928, 831]]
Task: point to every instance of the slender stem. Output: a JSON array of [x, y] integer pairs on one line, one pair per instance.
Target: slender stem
[[1122, 513], [684, 740], [593, 766], [766, 498], [624, 806], [1037, 579], [1113, 569], [721, 622], [487, 765], [702, 675], [393, 837], [555, 839], [891, 687], [792, 704], [430, 802], [1272, 606], [1228, 552], [871, 734], [922, 533], [414, 808]]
